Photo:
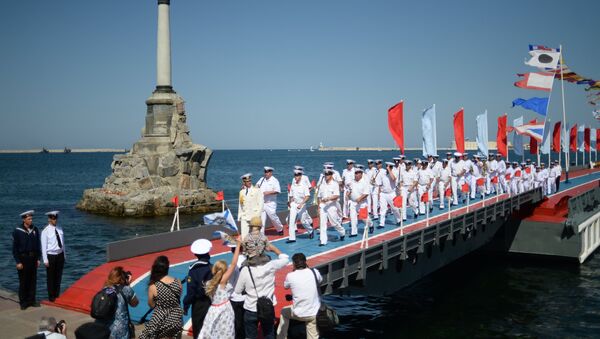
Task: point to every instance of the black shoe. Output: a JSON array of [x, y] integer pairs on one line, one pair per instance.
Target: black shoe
[[398, 223], [322, 245], [280, 233], [52, 299], [415, 216], [353, 235], [371, 229], [23, 307], [290, 241], [342, 237], [380, 227], [311, 235], [35, 304]]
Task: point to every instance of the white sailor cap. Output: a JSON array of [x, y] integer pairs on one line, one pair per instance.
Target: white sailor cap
[[370, 161], [379, 161], [465, 154], [429, 156], [435, 156], [401, 156], [268, 169], [349, 161], [448, 153], [498, 155], [445, 160], [298, 167], [457, 154], [327, 171], [389, 163], [201, 246], [297, 171], [26, 213], [515, 163], [523, 163], [396, 158], [328, 163], [358, 170], [53, 214], [419, 161], [555, 161], [408, 162], [492, 155], [359, 166], [328, 166], [528, 160], [246, 176], [542, 164]]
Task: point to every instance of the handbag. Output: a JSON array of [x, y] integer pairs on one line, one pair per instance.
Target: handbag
[[264, 305], [327, 317]]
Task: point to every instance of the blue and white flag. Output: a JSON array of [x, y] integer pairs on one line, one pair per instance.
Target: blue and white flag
[[221, 218], [535, 130], [517, 140], [429, 132], [545, 148], [580, 138], [482, 134], [538, 105]]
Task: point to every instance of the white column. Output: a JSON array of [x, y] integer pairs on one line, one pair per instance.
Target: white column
[[163, 48]]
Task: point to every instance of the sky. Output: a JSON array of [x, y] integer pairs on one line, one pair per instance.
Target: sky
[[281, 74]]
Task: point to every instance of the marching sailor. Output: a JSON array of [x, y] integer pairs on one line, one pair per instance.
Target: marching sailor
[[493, 173], [552, 175], [436, 169], [358, 191], [476, 168], [374, 188], [468, 167], [544, 175], [424, 181], [250, 203], [444, 182], [558, 174], [501, 170], [526, 176], [368, 176], [53, 254], [347, 177], [26, 249], [269, 186], [299, 196], [457, 171], [305, 217], [385, 181], [329, 193], [408, 187], [538, 180]]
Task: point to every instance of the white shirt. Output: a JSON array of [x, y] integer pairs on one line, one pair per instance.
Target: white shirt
[[424, 177], [493, 166], [437, 169], [384, 182], [477, 169], [264, 278], [50, 243], [268, 185], [409, 178], [456, 168], [347, 176], [298, 192], [501, 167], [445, 174], [358, 188], [328, 190], [52, 335], [304, 291]]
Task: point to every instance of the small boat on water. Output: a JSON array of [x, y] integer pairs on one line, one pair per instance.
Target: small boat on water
[[67, 150], [44, 150]]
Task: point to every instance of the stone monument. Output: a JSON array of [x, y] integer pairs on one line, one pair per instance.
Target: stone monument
[[165, 162]]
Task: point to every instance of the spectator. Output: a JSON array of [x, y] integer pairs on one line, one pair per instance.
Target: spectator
[[305, 295], [51, 330], [259, 281], [198, 275], [237, 300], [255, 243], [164, 295], [119, 280]]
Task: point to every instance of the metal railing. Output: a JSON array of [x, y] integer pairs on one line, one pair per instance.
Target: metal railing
[[589, 231]]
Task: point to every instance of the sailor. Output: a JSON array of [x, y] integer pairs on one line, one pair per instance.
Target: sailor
[[305, 217], [444, 182], [526, 176], [544, 175], [501, 170], [27, 252], [385, 182], [408, 190], [329, 193], [514, 178], [269, 185], [476, 168], [520, 177], [299, 196], [436, 169], [493, 177], [397, 169], [551, 183], [347, 177], [367, 175], [198, 275], [538, 180], [424, 182], [53, 254], [457, 171], [558, 174], [358, 191], [250, 203], [375, 189]]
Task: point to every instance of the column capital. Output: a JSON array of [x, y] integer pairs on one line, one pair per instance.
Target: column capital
[[164, 2]]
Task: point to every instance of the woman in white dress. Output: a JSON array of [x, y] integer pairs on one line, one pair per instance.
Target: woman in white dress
[[220, 319]]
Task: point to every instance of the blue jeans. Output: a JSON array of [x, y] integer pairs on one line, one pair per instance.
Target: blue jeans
[[251, 324]]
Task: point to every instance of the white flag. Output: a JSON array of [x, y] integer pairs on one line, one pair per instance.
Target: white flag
[[482, 134], [543, 59]]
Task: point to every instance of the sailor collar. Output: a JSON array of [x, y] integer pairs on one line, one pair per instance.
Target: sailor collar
[[199, 262], [24, 230]]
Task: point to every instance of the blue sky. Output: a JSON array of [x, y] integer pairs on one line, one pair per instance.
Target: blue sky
[[280, 74]]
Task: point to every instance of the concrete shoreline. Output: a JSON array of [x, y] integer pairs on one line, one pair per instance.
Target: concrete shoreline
[[74, 150]]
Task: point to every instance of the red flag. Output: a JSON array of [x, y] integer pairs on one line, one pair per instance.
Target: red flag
[[556, 138], [480, 182], [220, 196], [465, 188], [598, 139], [313, 183], [495, 179], [586, 138], [459, 130], [533, 144], [518, 174], [425, 197], [396, 124], [528, 170], [507, 177], [501, 136], [175, 200], [573, 138], [448, 192], [363, 213], [398, 201]]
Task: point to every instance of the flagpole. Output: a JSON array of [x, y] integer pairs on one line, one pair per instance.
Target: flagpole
[[562, 86]]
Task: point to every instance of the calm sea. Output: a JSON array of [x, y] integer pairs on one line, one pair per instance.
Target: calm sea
[[478, 296]]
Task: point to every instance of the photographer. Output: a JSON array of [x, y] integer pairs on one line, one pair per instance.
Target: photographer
[[119, 279], [52, 330]]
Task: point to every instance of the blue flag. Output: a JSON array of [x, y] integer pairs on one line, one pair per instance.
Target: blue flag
[[538, 105], [482, 134], [429, 132]]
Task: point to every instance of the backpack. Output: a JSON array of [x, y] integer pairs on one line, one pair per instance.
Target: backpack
[[104, 304]]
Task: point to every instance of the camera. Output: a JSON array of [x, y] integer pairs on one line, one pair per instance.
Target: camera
[[127, 277], [289, 297], [60, 326]]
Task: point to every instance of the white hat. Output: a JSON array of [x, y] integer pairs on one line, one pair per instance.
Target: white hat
[[401, 156], [359, 166], [448, 153], [268, 168], [445, 160], [358, 170], [246, 176], [201, 246], [26, 213], [419, 161], [328, 166], [297, 167], [378, 161], [457, 154], [396, 158], [53, 214], [297, 171], [408, 162], [329, 163], [389, 163], [370, 161], [327, 171], [349, 161]]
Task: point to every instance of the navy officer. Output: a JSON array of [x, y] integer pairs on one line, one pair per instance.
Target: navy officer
[[53, 254], [27, 252]]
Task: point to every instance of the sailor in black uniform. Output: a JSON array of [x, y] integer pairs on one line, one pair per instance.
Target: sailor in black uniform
[[27, 253], [53, 254], [199, 274]]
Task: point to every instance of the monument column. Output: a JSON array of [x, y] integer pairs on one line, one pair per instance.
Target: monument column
[[163, 49]]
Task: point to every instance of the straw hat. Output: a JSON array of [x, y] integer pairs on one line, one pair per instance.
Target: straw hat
[[255, 222]]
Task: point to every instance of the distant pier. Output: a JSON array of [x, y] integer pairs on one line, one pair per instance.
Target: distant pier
[[62, 150]]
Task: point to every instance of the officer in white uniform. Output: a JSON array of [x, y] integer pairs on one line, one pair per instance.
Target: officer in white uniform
[[436, 169], [347, 177], [444, 182], [545, 173], [358, 191], [502, 182], [457, 171], [408, 190], [558, 170], [329, 193], [551, 185], [538, 180], [475, 175], [424, 182], [299, 196], [368, 176], [305, 217], [526, 177], [493, 172], [385, 181], [375, 189], [251, 201], [53, 254], [269, 186]]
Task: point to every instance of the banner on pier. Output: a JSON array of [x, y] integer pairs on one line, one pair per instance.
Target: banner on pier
[[459, 130], [501, 142], [396, 124], [482, 134], [428, 123]]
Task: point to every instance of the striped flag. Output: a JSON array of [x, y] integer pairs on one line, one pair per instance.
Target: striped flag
[[537, 80], [535, 130]]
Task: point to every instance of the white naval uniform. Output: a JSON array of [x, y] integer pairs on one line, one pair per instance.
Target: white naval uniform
[[372, 200], [444, 182], [493, 172], [270, 202], [298, 192], [538, 180], [251, 201], [347, 177], [551, 185], [305, 217], [424, 182], [545, 173], [436, 169], [502, 183], [475, 174], [386, 197], [329, 209], [357, 189], [408, 192], [50, 243], [457, 168]]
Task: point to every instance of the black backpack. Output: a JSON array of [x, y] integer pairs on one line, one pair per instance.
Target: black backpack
[[104, 304]]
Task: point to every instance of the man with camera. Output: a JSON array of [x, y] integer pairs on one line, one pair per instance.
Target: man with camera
[[303, 281], [50, 329]]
